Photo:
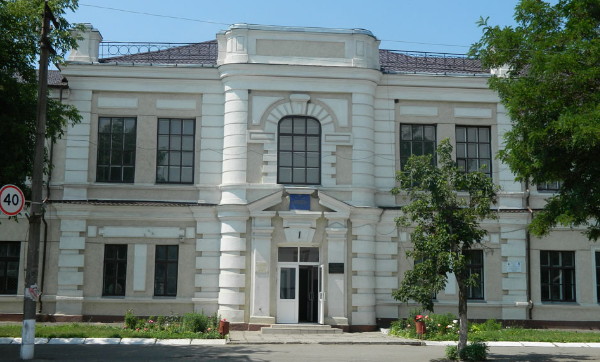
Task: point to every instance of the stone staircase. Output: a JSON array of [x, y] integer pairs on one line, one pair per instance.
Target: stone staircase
[[300, 329]]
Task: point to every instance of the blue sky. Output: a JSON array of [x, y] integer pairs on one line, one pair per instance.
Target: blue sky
[[423, 25]]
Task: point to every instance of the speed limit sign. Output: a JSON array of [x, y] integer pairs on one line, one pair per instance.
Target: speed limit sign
[[12, 200]]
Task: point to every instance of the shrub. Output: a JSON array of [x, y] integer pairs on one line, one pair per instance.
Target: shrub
[[476, 351], [194, 322], [489, 325], [131, 320]]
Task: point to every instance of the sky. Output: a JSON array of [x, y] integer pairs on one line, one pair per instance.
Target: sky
[[418, 25]]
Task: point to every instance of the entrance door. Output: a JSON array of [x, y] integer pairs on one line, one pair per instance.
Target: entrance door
[[298, 285]]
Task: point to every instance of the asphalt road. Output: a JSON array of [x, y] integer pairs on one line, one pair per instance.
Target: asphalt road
[[286, 352]]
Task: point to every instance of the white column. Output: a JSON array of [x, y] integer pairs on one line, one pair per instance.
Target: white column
[[69, 294], [235, 146], [363, 266], [206, 281], [363, 153], [513, 250], [262, 232], [336, 293], [232, 263], [77, 147]]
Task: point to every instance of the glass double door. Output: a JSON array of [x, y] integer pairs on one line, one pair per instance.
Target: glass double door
[[300, 298]]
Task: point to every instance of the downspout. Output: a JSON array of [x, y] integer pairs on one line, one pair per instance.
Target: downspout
[[528, 252]]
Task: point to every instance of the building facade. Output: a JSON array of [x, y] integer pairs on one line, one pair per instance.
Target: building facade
[[250, 177]]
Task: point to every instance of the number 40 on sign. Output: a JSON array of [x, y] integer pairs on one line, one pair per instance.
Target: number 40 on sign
[[12, 200]]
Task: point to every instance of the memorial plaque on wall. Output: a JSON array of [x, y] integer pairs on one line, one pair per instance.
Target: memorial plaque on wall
[[336, 268]]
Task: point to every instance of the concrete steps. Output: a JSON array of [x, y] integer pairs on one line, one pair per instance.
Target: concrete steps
[[300, 329]]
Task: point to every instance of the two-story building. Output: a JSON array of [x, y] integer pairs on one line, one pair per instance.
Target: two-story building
[[250, 176]]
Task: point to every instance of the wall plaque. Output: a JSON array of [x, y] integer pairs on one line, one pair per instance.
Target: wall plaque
[[336, 268]]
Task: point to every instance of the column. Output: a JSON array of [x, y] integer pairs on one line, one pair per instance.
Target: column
[[235, 147], [262, 232], [206, 281], [336, 293], [363, 155], [232, 263], [69, 294]]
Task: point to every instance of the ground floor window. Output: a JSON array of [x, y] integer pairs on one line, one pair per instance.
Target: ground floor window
[[557, 269], [9, 266], [475, 266], [165, 270], [115, 270]]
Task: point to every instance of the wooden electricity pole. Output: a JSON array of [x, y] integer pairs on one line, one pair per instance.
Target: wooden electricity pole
[[31, 292]]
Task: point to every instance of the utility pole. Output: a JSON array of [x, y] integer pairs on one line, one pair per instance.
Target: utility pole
[[31, 292]]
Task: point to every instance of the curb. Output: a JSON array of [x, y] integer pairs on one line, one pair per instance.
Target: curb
[[118, 341]]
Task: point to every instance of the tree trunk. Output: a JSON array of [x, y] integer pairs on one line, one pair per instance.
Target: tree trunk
[[462, 313]]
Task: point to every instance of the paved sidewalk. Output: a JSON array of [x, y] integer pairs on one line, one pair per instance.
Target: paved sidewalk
[[254, 337]]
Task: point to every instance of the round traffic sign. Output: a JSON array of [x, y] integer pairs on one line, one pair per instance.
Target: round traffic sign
[[12, 200]]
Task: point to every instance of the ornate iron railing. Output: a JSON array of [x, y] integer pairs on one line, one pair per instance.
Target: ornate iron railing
[[429, 62], [165, 53]]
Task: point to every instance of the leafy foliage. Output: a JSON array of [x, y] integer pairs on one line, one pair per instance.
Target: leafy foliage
[[20, 21], [551, 91], [476, 351], [192, 325], [446, 206]]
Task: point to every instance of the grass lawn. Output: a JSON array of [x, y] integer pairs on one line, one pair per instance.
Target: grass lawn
[[87, 330]]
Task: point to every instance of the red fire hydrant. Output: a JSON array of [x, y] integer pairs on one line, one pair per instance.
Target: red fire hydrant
[[223, 327]]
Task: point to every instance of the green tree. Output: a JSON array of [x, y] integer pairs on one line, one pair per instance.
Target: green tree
[[20, 23], [445, 208], [551, 91]]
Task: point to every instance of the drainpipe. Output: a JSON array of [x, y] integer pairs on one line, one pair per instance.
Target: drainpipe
[[528, 253]]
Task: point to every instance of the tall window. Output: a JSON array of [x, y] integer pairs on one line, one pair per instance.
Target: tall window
[[598, 276], [175, 156], [299, 154], [416, 139], [115, 270], [165, 270], [558, 275], [474, 149], [116, 149], [475, 266], [9, 267]]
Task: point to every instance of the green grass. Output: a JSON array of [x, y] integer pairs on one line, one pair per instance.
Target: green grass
[[84, 330], [511, 335]]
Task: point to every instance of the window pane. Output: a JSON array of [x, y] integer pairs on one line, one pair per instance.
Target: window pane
[[187, 158], [312, 143], [472, 134], [285, 158], [174, 174], [312, 175], [309, 255], [461, 150], [162, 174], [117, 126], [104, 125], [429, 133], [187, 174], [285, 143], [287, 283], [299, 175], [175, 126], [285, 175], [312, 159], [484, 151], [299, 159], [405, 149], [405, 133], [173, 251], [461, 134], [312, 127], [567, 258], [287, 254], [163, 142], [163, 126], [417, 133], [299, 143], [162, 159], [285, 126], [484, 135], [175, 158], [299, 126], [129, 126], [472, 150], [175, 142], [187, 143], [188, 127]]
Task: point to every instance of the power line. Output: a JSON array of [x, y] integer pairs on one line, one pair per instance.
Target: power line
[[155, 15]]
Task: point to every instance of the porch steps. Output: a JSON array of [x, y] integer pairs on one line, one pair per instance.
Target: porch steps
[[300, 329]]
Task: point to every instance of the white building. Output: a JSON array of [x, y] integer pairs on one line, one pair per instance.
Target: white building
[[250, 177]]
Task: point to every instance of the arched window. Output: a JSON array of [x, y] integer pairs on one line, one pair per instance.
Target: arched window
[[299, 151]]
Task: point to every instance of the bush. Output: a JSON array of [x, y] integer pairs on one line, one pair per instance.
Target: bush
[[194, 322], [489, 325], [131, 320], [476, 351]]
